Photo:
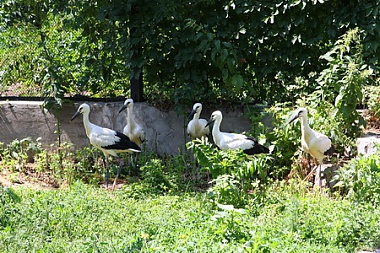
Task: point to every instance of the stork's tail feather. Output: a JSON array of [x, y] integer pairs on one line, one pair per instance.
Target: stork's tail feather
[[257, 149], [330, 151], [124, 144]]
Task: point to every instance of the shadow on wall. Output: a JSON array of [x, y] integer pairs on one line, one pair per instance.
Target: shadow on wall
[[165, 131]]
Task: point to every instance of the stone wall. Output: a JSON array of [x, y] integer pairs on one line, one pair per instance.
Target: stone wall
[[165, 131]]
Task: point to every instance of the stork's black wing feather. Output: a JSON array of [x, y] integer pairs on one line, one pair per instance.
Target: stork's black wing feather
[[330, 151], [123, 144], [257, 148]]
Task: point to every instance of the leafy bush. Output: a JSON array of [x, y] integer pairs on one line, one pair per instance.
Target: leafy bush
[[231, 162], [233, 172], [232, 51], [67, 165], [230, 223], [371, 102], [55, 165], [360, 179], [21, 62], [18, 153], [284, 138], [225, 189], [343, 80], [8, 198], [154, 175]]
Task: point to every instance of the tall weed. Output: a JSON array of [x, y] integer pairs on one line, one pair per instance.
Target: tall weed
[[343, 80]]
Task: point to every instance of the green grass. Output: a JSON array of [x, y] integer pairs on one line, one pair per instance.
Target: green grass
[[84, 218]]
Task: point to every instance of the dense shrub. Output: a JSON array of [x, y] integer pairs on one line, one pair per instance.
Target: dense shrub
[[242, 51], [360, 179]]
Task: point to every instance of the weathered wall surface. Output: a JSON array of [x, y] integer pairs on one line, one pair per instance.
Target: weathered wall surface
[[165, 131]]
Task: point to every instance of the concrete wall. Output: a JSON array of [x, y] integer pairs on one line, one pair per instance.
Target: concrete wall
[[165, 131]]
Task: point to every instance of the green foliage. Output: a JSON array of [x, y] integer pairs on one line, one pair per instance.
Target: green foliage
[[311, 225], [371, 100], [285, 138], [233, 172], [343, 80], [153, 173], [360, 179], [83, 218], [251, 51], [62, 164], [8, 198], [230, 223], [20, 152], [225, 189], [231, 162], [66, 164]]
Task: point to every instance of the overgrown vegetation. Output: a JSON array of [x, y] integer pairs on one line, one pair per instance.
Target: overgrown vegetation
[[283, 54], [217, 201], [279, 218], [246, 51]]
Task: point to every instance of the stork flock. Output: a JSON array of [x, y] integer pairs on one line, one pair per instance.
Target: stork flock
[[130, 140]]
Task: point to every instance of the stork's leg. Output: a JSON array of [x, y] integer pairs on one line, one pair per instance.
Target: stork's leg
[[311, 173], [117, 176], [136, 160], [133, 162], [130, 162], [136, 165], [318, 179], [107, 164]]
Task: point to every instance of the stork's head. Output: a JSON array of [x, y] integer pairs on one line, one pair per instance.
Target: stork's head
[[127, 104], [83, 109], [215, 116], [299, 113], [197, 107]]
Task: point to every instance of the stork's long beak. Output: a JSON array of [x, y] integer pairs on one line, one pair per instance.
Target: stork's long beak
[[75, 115], [192, 113], [293, 118], [209, 122], [122, 108]]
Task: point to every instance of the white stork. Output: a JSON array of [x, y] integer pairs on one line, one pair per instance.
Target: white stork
[[314, 143], [133, 130], [196, 128], [226, 141], [105, 139]]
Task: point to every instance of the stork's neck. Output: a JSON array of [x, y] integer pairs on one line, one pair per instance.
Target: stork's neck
[[130, 117], [130, 110], [305, 128], [87, 124], [196, 115], [216, 130]]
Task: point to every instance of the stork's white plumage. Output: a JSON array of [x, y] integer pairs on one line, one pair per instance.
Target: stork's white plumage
[[196, 128], [134, 131], [314, 143], [226, 141], [110, 142]]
